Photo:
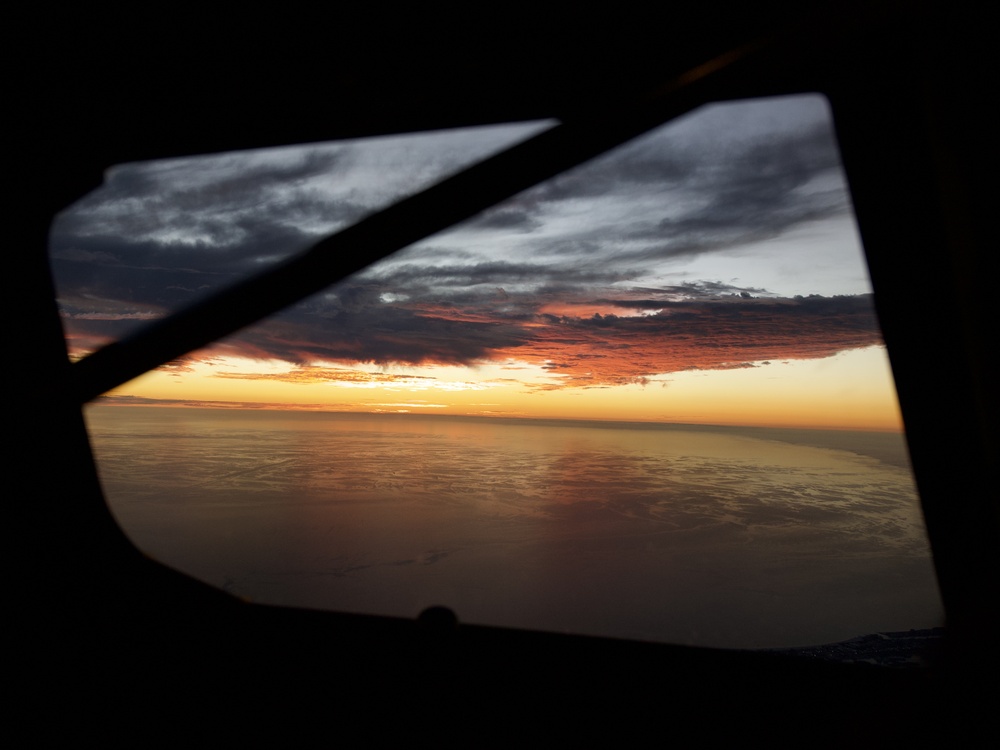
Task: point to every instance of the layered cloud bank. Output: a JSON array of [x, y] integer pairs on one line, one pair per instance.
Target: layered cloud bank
[[721, 241], [648, 335]]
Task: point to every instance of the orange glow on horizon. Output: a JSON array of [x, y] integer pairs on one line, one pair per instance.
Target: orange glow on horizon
[[853, 390]]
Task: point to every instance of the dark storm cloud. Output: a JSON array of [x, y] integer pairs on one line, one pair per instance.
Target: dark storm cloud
[[229, 215], [200, 198], [384, 334], [711, 200], [642, 332], [675, 193], [768, 165], [159, 235], [220, 180], [104, 276], [152, 242]]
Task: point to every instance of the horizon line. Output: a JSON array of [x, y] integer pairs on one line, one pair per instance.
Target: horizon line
[[126, 400]]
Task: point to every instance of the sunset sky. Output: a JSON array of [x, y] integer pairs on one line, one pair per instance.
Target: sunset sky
[[708, 272]]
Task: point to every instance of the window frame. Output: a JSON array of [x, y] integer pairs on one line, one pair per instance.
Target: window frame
[[893, 94]]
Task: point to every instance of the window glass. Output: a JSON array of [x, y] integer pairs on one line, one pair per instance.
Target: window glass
[[645, 399]]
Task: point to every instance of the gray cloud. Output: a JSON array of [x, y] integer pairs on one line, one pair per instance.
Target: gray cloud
[[697, 200], [158, 236], [165, 233], [640, 331]]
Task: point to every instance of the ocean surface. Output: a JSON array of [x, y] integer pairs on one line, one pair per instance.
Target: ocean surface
[[712, 536]]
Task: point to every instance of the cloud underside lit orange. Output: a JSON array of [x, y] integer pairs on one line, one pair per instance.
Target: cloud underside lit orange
[[581, 352], [312, 374]]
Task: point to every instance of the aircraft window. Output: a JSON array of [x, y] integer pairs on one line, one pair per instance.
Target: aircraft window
[[645, 399]]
